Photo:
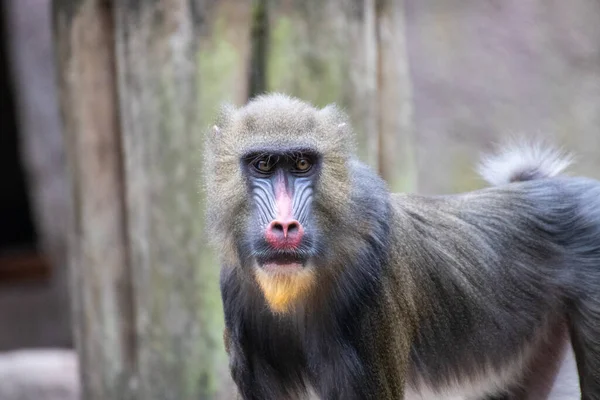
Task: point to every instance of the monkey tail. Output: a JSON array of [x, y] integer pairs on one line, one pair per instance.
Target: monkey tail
[[523, 161]]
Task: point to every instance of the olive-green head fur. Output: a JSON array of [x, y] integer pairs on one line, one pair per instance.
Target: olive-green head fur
[[272, 122]]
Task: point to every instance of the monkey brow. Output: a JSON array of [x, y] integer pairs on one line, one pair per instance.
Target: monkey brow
[[295, 154], [275, 155], [262, 156]]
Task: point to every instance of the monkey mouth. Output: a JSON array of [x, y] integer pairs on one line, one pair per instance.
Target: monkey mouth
[[273, 259], [281, 261]]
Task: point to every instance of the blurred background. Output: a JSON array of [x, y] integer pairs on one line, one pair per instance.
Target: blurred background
[[102, 109]]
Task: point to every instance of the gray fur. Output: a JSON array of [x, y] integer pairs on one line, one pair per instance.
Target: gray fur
[[503, 264], [416, 294], [507, 264]]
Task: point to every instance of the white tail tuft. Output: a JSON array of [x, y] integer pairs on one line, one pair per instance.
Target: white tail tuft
[[523, 161]]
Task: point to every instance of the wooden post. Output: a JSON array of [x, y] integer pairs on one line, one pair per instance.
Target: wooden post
[[178, 306], [139, 83], [397, 164], [325, 52], [352, 53], [102, 297]]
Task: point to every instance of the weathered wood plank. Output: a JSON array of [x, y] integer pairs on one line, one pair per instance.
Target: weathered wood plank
[[397, 164], [22, 266], [224, 54], [352, 53], [326, 51], [101, 284], [176, 63], [139, 83]]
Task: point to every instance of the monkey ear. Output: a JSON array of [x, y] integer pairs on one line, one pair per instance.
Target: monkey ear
[[225, 115], [343, 132], [334, 115], [343, 129]]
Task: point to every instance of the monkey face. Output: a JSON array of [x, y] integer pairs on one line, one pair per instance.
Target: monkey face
[[279, 193], [281, 184]]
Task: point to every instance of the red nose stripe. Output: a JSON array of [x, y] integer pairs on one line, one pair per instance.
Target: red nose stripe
[[284, 232], [283, 200]]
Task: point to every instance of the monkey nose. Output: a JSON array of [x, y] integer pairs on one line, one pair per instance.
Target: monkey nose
[[284, 233]]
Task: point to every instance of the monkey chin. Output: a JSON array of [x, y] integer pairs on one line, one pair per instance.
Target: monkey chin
[[284, 285]]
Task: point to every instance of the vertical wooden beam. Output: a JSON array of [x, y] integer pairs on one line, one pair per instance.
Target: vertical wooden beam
[[156, 46], [260, 43], [177, 61], [224, 54], [324, 52], [140, 82], [397, 163], [352, 53], [103, 309]]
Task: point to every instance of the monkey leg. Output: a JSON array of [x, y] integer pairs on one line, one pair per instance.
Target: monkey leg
[[551, 369], [548, 375], [585, 336]]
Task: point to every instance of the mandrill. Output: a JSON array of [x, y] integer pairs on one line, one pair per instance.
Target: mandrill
[[334, 286]]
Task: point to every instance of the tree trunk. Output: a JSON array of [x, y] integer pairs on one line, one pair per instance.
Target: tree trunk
[[140, 82]]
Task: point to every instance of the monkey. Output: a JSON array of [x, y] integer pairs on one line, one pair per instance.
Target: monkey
[[333, 285]]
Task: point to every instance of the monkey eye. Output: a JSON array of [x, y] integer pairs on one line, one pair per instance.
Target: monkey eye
[[303, 164], [264, 166]]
